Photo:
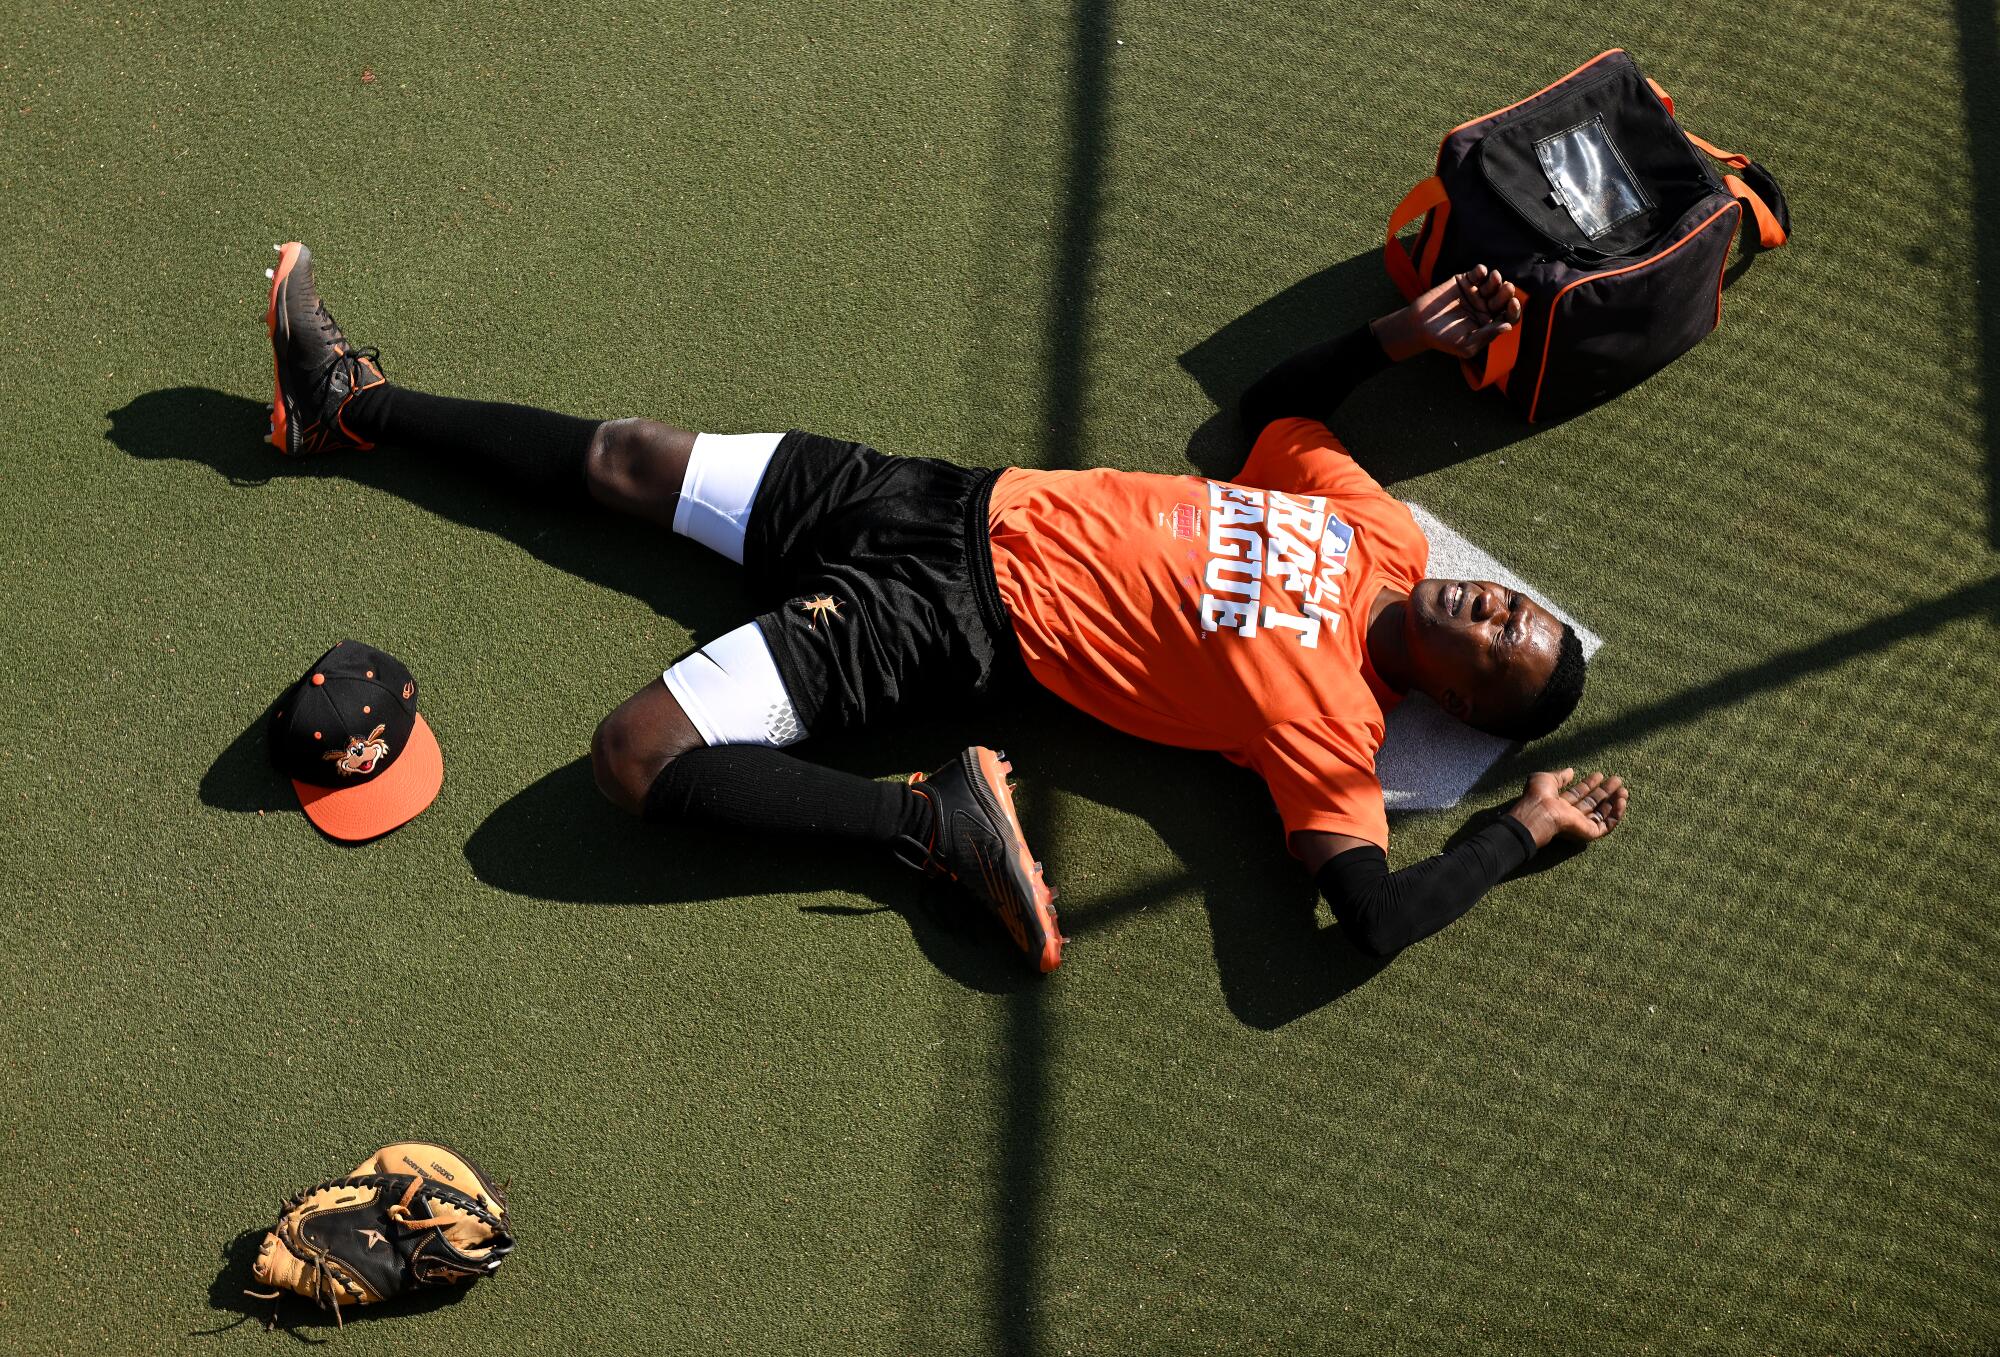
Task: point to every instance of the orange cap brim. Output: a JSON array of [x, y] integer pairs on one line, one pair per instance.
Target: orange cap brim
[[375, 807]]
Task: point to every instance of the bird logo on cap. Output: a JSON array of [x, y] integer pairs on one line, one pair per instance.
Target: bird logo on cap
[[361, 755]]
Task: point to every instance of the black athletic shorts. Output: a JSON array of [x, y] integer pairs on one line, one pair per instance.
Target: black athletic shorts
[[881, 572]]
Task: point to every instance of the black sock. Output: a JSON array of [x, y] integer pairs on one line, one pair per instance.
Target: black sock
[[543, 451], [754, 787]]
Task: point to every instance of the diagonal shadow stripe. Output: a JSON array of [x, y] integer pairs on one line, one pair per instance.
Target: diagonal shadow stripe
[[1776, 672]]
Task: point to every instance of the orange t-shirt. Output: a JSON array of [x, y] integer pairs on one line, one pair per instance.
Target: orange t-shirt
[[1224, 615]]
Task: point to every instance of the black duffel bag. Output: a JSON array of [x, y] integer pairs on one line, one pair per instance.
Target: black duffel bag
[[1607, 217]]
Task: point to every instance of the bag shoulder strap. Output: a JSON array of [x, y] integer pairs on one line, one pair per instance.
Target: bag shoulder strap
[[1403, 271], [1761, 194]]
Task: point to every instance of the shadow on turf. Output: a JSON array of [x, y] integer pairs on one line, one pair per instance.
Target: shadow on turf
[[1579, 744], [1979, 55], [294, 1315], [1277, 958], [1413, 419], [1017, 1282], [243, 779], [673, 577], [559, 840]]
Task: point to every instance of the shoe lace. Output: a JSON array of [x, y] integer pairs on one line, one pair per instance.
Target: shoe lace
[[320, 395], [345, 357], [328, 326]]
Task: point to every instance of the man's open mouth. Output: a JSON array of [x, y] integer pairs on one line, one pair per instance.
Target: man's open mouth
[[1454, 599]]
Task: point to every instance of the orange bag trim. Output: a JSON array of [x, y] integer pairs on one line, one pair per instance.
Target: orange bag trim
[[1426, 197], [1500, 354], [1735, 160], [1770, 233], [1433, 234], [1721, 271]]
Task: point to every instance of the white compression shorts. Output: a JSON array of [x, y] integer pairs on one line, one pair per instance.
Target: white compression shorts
[[723, 474], [730, 688]]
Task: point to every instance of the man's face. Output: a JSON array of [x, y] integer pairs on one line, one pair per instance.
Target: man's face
[[1482, 651]]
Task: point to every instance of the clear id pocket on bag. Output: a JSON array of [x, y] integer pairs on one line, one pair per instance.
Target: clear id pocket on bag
[[1590, 178]]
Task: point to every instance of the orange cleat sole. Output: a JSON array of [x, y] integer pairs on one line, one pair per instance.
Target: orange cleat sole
[[288, 256], [993, 770]]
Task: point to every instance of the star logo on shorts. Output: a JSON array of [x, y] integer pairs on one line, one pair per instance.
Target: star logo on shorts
[[825, 605]]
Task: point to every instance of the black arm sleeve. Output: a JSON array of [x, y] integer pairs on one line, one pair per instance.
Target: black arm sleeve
[[1313, 382], [1383, 911]]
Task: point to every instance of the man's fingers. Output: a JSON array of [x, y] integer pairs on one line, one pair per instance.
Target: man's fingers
[[1485, 299], [1582, 793], [1483, 336], [1599, 803], [1488, 305], [1480, 288], [1586, 809], [1607, 809]]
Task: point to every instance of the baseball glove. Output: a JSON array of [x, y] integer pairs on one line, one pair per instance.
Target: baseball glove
[[412, 1217]]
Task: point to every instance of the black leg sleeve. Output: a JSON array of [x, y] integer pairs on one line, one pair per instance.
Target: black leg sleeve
[[541, 451], [1383, 911], [1313, 382], [763, 791]]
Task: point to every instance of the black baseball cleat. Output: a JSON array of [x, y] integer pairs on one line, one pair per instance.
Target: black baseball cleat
[[317, 372], [976, 840]]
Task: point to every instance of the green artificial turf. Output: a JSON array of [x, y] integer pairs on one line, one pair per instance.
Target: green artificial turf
[[1725, 1083]]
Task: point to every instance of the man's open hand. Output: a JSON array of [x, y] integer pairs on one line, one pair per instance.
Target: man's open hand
[[1460, 316], [1557, 804]]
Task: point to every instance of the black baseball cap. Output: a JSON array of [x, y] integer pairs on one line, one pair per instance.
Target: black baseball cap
[[349, 737]]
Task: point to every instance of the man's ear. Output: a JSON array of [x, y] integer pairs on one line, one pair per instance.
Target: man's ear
[[1456, 705]]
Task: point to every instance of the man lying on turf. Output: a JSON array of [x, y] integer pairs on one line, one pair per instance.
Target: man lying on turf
[[1275, 618]]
